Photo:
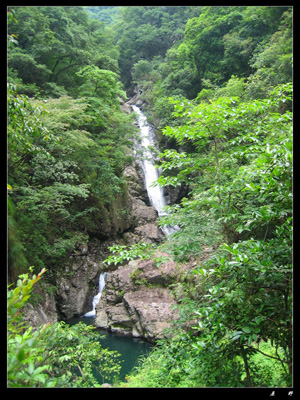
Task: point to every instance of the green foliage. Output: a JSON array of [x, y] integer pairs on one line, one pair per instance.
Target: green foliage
[[235, 326], [26, 132], [54, 44], [141, 70], [235, 87], [77, 357], [61, 189], [273, 61], [145, 32], [27, 138], [24, 356], [11, 39], [223, 39], [107, 14], [63, 162], [266, 372], [241, 51], [56, 355], [176, 363], [100, 83], [15, 254], [236, 144], [231, 146], [123, 253], [46, 199], [238, 303]]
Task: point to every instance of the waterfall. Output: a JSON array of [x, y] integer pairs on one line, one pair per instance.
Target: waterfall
[[156, 194], [96, 299]]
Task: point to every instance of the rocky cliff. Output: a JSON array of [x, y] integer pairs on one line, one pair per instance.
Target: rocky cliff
[[137, 300], [77, 280]]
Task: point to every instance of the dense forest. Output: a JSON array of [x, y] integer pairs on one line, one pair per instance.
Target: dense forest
[[216, 84]]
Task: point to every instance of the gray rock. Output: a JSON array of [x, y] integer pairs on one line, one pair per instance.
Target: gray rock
[[142, 213], [151, 312], [44, 312], [129, 307]]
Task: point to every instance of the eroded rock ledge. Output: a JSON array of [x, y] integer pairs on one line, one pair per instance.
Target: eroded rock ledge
[[136, 300]]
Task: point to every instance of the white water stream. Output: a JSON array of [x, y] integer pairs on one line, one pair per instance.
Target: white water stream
[[96, 299], [155, 193]]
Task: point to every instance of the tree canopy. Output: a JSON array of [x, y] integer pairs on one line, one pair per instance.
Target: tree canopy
[[216, 84]]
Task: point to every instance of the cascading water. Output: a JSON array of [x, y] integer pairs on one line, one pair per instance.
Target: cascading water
[[96, 299], [155, 193]]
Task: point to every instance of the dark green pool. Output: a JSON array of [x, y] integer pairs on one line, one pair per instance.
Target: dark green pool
[[129, 348]]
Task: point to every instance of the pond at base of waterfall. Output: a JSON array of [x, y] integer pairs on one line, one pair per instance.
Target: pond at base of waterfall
[[130, 348]]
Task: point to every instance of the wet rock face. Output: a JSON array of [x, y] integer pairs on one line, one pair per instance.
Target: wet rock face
[[136, 301], [144, 216], [77, 283]]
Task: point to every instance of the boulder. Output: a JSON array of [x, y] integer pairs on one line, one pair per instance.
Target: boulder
[[149, 233], [163, 275], [135, 182], [120, 322], [151, 311], [142, 213], [143, 216]]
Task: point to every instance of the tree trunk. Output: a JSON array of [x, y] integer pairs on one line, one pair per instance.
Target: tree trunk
[[244, 355]]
